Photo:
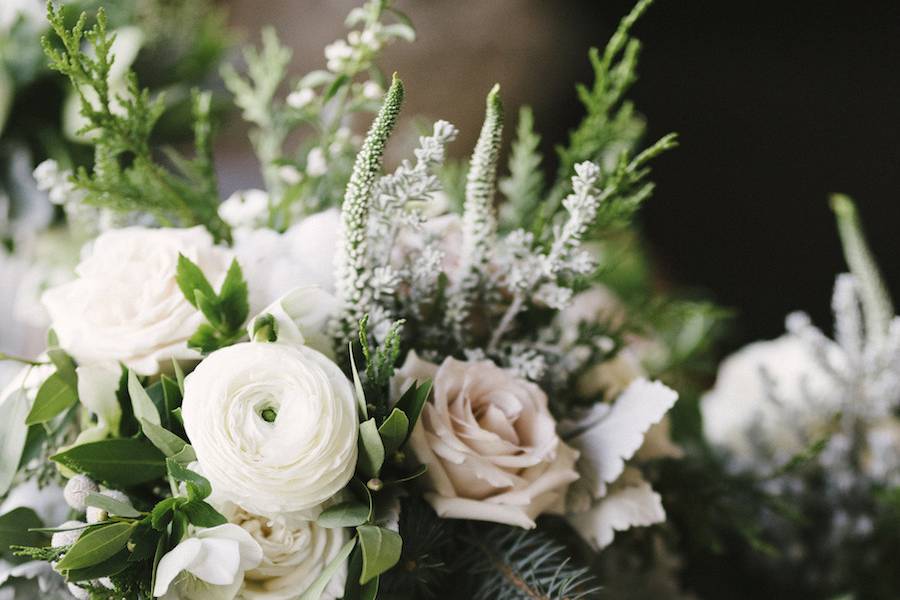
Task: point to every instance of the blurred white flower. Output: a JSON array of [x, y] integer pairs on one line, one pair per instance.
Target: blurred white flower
[[316, 164], [246, 209]]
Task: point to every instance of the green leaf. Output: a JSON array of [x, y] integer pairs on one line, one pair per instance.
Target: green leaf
[[198, 487], [172, 397], [233, 298], [345, 514], [111, 566], [186, 456], [335, 86], [380, 550], [162, 512], [357, 386], [53, 397], [209, 306], [65, 366], [412, 402], [167, 442], [314, 591], [122, 462], [141, 403], [14, 530], [13, 433], [96, 546], [201, 514], [393, 431], [179, 375], [111, 505], [371, 449], [191, 280]]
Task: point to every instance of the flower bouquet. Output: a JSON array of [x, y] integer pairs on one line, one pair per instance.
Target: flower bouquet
[[354, 382]]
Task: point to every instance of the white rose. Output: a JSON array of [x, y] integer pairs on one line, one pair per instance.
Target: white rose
[[274, 263], [274, 426], [295, 552], [769, 397], [209, 565], [302, 317], [125, 304], [490, 444]]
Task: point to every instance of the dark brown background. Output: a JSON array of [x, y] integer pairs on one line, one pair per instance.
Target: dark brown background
[[778, 103]]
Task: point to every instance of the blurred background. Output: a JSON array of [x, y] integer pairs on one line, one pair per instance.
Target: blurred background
[[777, 103]]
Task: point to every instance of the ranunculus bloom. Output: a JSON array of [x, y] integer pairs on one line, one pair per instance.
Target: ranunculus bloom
[[490, 444], [274, 426], [126, 306], [209, 565], [295, 552]]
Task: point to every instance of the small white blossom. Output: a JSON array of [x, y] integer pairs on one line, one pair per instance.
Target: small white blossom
[[301, 98], [316, 164]]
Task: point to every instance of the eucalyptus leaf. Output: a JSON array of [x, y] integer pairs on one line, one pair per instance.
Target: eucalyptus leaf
[[96, 546], [345, 514], [314, 591], [54, 397], [371, 449], [141, 403], [13, 433], [168, 443], [111, 505], [380, 550]]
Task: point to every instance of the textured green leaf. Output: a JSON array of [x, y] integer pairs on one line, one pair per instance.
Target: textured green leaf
[[345, 514], [54, 397], [371, 449], [198, 487], [96, 546], [113, 565], [122, 462], [314, 591], [380, 550], [65, 366], [412, 402]]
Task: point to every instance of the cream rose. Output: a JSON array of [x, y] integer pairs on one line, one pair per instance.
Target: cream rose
[[125, 305], [274, 426], [490, 444], [295, 552]]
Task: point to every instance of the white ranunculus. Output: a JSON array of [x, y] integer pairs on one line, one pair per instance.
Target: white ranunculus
[[274, 426], [126, 306], [274, 263], [769, 398], [489, 442], [302, 317], [607, 437], [295, 552], [209, 565]]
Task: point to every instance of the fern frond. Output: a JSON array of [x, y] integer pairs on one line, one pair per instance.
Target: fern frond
[[524, 186]]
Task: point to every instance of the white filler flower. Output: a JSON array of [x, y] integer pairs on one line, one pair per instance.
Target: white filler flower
[[274, 426], [125, 306], [210, 565]]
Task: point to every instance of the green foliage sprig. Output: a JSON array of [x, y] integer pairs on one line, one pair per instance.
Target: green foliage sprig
[[126, 176], [225, 311]]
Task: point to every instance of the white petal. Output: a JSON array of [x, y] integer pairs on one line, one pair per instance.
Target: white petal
[[635, 506], [178, 559], [97, 385], [219, 563], [607, 445], [302, 316], [250, 552]]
